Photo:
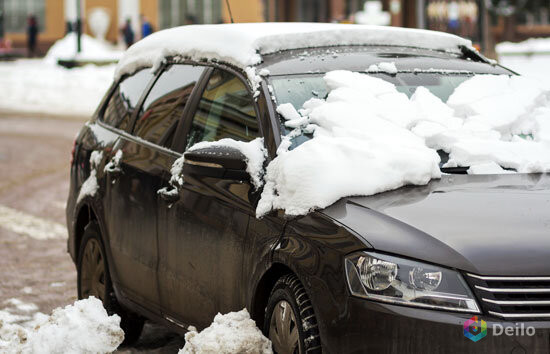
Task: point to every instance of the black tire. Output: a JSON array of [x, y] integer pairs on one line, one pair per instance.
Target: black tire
[[90, 255], [288, 290]]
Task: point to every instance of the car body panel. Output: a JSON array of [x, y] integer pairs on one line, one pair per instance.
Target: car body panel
[[485, 224]]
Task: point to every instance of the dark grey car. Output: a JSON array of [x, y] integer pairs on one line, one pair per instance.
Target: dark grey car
[[457, 248]]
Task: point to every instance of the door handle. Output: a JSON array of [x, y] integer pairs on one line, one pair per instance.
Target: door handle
[[169, 195]]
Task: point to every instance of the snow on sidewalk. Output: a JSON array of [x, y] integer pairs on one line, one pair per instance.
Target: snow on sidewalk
[[40, 86], [30, 225], [529, 58], [35, 86], [83, 327]]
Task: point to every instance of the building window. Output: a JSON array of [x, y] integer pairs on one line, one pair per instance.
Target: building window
[[17, 12], [174, 13]]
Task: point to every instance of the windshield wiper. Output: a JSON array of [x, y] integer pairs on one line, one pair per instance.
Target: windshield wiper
[[460, 170]]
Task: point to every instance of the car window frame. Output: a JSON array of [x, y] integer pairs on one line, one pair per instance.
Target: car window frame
[[183, 129]]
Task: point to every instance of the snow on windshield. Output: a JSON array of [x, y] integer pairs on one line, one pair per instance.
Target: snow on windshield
[[369, 138]]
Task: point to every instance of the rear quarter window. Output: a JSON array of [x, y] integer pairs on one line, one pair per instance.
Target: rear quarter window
[[125, 98]]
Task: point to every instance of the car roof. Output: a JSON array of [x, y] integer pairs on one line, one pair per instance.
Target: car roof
[[245, 45]]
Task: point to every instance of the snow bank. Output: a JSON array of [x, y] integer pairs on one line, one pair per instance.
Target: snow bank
[[243, 44], [34, 86], [92, 49], [369, 138], [529, 58], [530, 46], [83, 327], [234, 332]]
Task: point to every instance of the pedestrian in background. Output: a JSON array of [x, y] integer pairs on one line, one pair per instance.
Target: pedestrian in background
[[146, 27], [128, 33], [32, 34]]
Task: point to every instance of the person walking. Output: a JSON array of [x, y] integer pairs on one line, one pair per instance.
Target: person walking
[[128, 33], [146, 27], [32, 35]]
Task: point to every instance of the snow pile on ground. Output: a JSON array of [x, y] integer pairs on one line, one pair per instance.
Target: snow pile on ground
[[242, 44], [34, 86], [369, 138], [83, 327], [234, 332], [92, 49]]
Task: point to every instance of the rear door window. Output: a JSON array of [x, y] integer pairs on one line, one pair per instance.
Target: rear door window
[[163, 107], [124, 99], [226, 110]]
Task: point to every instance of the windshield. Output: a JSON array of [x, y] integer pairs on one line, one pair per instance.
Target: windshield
[[297, 89]]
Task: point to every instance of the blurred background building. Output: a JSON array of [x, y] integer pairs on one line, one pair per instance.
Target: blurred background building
[[483, 21]]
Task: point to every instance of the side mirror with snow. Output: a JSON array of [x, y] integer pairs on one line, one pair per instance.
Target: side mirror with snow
[[222, 162]]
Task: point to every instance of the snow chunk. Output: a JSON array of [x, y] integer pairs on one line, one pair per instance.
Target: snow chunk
[[288, 111], [243, 44], [234, 332], [384, 67], [254, 152], [114, 164], [90, 186], [84, 327], [489, 168]]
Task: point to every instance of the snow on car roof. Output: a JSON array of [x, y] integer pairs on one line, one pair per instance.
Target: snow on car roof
[[243, 44]]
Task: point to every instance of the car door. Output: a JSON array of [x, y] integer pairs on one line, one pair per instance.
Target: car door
[[143, 158], [202, 234]]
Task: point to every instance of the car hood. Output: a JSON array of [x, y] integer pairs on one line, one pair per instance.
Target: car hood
[[484, 224]]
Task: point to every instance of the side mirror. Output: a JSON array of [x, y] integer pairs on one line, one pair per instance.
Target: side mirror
[[222, 162]]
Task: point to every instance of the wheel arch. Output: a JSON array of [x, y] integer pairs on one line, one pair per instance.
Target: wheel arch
[[263, 290], [85, 215]]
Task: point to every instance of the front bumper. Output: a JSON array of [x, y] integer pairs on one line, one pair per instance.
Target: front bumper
[[381, 328]]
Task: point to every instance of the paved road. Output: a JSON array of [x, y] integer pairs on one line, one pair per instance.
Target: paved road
[[34, 264]]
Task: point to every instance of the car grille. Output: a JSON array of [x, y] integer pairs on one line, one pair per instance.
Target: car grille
[[513, 298]]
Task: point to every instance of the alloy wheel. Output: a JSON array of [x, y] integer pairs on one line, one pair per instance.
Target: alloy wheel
[[283, 330], [92, 279]]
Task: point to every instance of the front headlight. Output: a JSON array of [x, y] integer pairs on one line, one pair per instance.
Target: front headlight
[[400, 281]]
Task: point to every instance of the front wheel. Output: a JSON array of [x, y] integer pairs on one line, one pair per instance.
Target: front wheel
[[290, 322], [94, 280]]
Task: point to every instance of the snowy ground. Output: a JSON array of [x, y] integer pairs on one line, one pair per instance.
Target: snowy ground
[[530, 58], [38, 87]]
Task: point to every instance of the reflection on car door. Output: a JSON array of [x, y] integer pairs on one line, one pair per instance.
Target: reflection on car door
[[202, 235], [134, 186]]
